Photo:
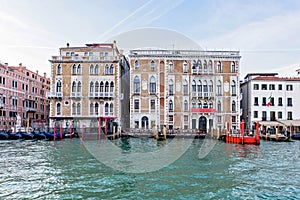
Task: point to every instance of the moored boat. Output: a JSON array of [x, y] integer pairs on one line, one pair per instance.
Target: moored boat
[[39, 135], [3, 135], [52, 136], [27, 135], [14, 136], [296, 136]]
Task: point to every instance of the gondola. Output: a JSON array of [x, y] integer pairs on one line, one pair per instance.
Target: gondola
[[14, 136], [27, 135], [39, 135], [3, 136], [296, 136], [52, 136]]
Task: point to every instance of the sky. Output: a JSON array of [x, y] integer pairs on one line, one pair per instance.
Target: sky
[[267, 33]]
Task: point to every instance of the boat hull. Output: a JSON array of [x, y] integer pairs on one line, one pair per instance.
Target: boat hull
[[4, 136], [242, 140]]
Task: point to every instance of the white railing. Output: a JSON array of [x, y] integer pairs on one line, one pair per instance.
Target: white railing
[[54, 94]]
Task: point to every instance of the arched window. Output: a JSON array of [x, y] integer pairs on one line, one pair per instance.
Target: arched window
[[193, 86], [74, 109], [205, 104], [111, 87], [92, 69], [79, 69], [170, 104], [185, 106], [91, 108], [233, 106], [185, 87], [58, 70], [74, 86], [136, 85], [106, 70], [96, 108], [195, 66], [199, 104], [78, 109], [101, 86], [185, 67], [74, 69], [152, 65], [233, 66], [219, 108], [193, 104], [199, 88], [106, 109], [106, 89], [219, 67], [111, 69], [210, 66], [58, 109], [205, 66], [211, 87], [111, 109], [219, 88], [171, 66], [205, 88], [96, 69], [97, 86], [152, 85], [91, 87], [58, 86], [199, 63], [136, 64], [210, 105], [79, 86], [171, 87], [233, 87]]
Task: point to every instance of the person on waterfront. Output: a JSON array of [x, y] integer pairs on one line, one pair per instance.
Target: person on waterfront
[[165, 132], [155, 134]]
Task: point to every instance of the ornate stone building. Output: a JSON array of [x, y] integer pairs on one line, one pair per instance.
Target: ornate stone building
[[88, 86], [184, 89]]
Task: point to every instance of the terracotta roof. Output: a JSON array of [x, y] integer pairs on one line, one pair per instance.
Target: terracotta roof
[[274, 78]]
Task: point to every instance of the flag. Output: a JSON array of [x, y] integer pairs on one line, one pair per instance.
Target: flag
[[269, 100]]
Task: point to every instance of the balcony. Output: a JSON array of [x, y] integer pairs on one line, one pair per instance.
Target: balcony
[[54, 95], [203, 110], [83, 58], [76, 94], [31, 109], [101, 95]]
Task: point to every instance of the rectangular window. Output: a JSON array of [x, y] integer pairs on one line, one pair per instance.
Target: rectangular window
[[171, 118], [264, 87], [219, 119], [186, 119], [279, 101], [255, 101], [233, 119], [136, 124], [264, 116], [289, 87], [290, 116], [255, 87], [279, 87], [264, 101], [255, 114], [289, 102], [136, 104], [272, 87], [152, 104], [279, 114]]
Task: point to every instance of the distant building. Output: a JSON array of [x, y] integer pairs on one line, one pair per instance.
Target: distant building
[[271, 100], [88, 86], [184, 89], [23, 92]]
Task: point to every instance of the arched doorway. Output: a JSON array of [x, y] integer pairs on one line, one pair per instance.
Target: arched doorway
[[202, 124], [145, 123]]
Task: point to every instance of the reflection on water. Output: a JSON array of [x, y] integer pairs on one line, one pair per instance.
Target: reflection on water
[[66, 170]]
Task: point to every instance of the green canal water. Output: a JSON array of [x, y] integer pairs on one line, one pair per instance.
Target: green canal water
[[67, 170]]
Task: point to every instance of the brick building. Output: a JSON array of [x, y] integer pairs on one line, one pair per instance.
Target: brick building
[[184, 89], [88, 86], [22, 92]]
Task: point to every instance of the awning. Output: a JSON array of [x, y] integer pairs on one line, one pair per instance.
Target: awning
[[290, 122], [270, 123]]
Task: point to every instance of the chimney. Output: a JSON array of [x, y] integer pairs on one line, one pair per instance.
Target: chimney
[[6, 65], [37, 72], [45, 74], [68, 45], [20, 64]]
